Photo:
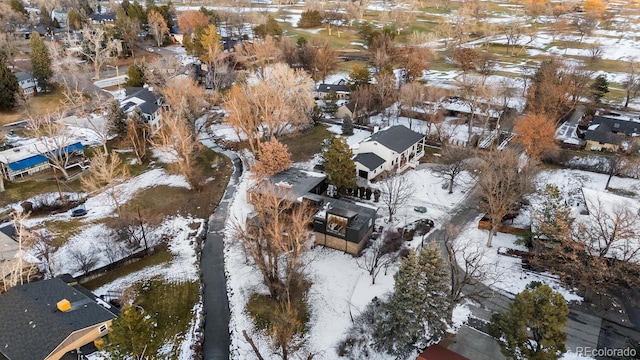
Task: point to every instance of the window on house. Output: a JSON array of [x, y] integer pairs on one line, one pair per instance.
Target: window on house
[[616, 125], [103, 328]]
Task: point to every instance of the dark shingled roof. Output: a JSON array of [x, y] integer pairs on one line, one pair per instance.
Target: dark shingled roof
[[618, 125], [397, 138], [32, 326], [369, 160], [326, 88], [602, 134], [291, 184], [22, 76]]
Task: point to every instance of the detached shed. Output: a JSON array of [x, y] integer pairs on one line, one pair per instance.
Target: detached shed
[[437, 352]]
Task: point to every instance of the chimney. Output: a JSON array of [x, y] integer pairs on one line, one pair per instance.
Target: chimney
[[376, 128], [63, 305]]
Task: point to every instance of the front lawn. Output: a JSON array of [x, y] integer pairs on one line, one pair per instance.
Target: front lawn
[[304, 146]]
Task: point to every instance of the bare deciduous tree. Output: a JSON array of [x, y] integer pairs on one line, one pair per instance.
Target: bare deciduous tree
[[17, 271], [272, 158], [396, 191], [106, 172], [381, 254], [280, 101], [97, 47], [84, 259], [277, 242], [501, 185], [259, 55], [176, 135], [138, 134], [158, 26], [187, 98], [452, 164]]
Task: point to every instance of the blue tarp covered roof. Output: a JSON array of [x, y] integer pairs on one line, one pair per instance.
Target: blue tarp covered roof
[[28, 162], [40, 159]]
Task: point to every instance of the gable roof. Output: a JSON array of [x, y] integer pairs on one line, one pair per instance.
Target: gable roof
[[32, 326], [397, 138], [326, 88], [22, 76], [602, 133], [621, 124], [369, 160]]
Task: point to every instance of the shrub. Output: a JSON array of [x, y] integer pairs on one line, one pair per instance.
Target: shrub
[[309, 19]]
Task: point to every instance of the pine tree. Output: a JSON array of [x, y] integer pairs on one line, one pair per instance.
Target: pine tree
[[8, 86], [270, 28], [415, 315], [599, 88], [347, 125], [135, 76], [533, 328], [309, 19], [339, 167], [40, 62], [131, 335], [330, 103], [116, 119]]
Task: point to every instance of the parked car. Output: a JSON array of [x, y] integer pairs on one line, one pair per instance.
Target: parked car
[[420, 209], [79, 211]]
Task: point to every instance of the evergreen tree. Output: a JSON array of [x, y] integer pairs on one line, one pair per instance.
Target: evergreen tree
[[330, 103], [599, 87], [415, 315], [116, 119], [270, 27], [533, 328], [9, 86], [309, 19], [339, 167], [359, 76], [40, 61], [131, 335], [18, 6], [135, 76], [347, 125]]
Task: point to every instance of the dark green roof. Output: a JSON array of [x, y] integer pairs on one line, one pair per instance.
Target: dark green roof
[[32, 326]]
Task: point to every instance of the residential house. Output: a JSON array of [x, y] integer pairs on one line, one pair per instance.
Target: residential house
[[339, 224], [103, 19], [31, 158], [342, 225], [395, 148], [51, 320], [148, 102], [348, 109], [341, 89], [609, 132], [28, 83], [437, 352]]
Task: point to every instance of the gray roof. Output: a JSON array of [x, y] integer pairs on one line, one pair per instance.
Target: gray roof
[[32, 326], [348, 209], [149, 107], [326, 88], [292, 183], [603, 134], [369, 160], [141, 93], [397, 138], [22, 76], [627, 126]]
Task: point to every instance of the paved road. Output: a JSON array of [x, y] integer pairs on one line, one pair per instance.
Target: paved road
[[216, 304]]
